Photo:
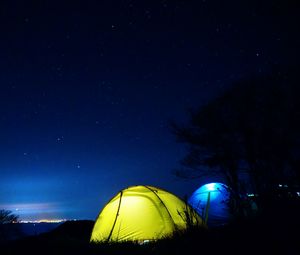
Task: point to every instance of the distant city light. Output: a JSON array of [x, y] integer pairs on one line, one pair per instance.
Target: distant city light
[[283, 185], [45, 221]]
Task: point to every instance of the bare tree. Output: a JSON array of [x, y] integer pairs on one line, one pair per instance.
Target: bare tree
[[253, 129], [6, 216], [8, 230]]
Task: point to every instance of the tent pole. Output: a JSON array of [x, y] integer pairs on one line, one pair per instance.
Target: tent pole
[[207, 208], [112, 229]]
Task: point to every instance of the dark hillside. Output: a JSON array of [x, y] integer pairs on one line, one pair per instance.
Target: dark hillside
[[273, 231]]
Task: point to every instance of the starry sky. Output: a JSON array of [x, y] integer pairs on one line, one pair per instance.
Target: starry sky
[[88, 89]]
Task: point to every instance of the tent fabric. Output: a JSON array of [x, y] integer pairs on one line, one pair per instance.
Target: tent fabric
[[211, 201], [141, 213]]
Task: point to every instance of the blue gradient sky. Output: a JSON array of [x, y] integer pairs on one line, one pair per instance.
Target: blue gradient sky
[[88, 89]]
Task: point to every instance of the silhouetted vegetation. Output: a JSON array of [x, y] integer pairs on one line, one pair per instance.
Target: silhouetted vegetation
[[8, 229], [7, 216], [250, 136]]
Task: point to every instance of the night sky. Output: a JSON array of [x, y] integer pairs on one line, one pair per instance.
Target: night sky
[[88, 89]]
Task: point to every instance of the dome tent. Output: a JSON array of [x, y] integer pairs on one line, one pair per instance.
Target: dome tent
[[142, 213], [211, 201]]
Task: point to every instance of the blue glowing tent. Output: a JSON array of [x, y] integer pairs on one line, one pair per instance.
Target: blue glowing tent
[[211, 201]]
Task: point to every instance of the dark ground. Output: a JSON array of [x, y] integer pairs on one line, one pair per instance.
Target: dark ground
[[273, 231]]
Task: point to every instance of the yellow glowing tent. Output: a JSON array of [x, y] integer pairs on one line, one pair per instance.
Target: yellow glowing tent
[[142, 213]]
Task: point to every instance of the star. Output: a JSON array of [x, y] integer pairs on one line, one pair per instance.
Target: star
[[60, 139]]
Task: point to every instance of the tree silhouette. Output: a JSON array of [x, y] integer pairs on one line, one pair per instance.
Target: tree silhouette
[[251, 130], [6, 216], [7, 229]]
